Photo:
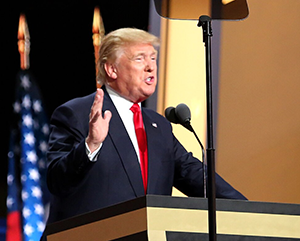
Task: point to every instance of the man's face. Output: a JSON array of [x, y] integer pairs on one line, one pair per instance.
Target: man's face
[[136, 72]]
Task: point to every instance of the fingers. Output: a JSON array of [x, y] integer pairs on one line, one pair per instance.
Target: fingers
[[96, 109], [98, 125], [99, 98], [95, 117]]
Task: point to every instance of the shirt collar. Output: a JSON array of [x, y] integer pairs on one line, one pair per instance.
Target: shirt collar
[[120, 102]]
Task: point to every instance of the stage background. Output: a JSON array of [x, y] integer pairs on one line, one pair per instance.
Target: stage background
[[256, 94], [258, 133]]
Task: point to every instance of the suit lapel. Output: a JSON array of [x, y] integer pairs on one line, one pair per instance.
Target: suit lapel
[[124, 147]]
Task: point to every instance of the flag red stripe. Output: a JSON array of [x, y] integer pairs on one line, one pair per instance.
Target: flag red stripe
[[14, 232]]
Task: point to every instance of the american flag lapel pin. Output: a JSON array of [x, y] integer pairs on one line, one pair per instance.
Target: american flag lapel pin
[[154, 125]]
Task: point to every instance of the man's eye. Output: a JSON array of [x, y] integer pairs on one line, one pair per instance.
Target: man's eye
[[139, 58]]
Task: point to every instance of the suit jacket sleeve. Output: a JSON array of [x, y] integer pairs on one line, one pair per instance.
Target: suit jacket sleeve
[[189, 176], [67, 154]]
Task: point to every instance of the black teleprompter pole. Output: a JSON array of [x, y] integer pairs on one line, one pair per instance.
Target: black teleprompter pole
[[205, 23]]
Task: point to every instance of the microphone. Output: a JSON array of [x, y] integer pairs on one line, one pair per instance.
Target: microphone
[[171, 115], [182, 115]]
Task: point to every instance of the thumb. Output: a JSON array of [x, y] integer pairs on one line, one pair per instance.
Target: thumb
[[107, 116]]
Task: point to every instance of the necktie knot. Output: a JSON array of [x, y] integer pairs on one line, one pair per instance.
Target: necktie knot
[[135, 108]]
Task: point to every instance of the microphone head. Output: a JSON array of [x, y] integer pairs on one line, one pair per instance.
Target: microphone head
[[183, 114], [170, 115]]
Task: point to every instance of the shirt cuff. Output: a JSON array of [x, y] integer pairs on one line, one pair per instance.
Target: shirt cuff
[[92, 156]]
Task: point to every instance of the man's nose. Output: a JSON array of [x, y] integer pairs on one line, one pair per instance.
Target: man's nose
[[149, 66]]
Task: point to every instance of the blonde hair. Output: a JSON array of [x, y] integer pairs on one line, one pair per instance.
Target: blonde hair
[[113, 43]]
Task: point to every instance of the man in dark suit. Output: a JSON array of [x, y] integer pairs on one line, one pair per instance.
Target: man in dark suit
[[95, 153]]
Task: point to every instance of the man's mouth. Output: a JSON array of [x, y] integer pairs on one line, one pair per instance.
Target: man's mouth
[[150, 79]]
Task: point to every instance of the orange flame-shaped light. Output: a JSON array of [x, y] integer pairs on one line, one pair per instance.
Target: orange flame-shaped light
[[227, 1], [24, 42], [98, 33]]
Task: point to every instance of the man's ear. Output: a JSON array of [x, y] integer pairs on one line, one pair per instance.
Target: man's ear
[[111, 71]]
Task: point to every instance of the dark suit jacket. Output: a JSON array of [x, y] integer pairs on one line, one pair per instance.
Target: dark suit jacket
[[79, 185]]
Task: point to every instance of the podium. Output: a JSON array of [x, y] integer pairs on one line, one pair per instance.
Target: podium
[[165, 218]]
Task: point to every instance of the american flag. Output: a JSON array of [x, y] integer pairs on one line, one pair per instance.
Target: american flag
[[27, 192]]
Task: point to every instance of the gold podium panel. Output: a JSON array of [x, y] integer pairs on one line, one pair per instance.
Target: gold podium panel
[[164, 218]]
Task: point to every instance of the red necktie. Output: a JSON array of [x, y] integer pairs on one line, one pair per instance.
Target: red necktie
[[142, 141]]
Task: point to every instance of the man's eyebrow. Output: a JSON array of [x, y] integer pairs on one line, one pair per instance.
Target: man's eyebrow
[[142, 53]]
